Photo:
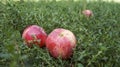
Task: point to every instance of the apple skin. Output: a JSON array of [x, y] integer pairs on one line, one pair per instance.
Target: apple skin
[[61, 43], [87, 13], [34, 35]]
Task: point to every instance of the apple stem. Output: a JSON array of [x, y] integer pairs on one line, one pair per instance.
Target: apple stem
[[61, 35]]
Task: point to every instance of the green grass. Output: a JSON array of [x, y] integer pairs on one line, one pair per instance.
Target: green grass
[[98, 37]]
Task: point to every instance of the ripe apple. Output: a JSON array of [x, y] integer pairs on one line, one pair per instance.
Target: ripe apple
[[60, 43], [34, 35], [87, 13]]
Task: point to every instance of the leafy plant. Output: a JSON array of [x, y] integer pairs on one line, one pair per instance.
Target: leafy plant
[[98, 37]]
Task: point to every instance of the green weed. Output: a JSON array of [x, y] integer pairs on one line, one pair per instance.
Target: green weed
[[98, 37]]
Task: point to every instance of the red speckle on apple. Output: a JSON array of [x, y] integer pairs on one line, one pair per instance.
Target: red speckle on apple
[[34, 35], [60, 43]]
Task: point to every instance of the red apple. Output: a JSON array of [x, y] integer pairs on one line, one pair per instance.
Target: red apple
[[34, 35], [87, 13], [60, 43]]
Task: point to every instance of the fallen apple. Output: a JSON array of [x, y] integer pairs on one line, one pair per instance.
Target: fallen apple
[[87, 13], [34, 35], [61, 43]]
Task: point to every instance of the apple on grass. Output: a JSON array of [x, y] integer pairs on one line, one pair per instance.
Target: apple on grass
[[61, 43], [34, 35], [87, 13]]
